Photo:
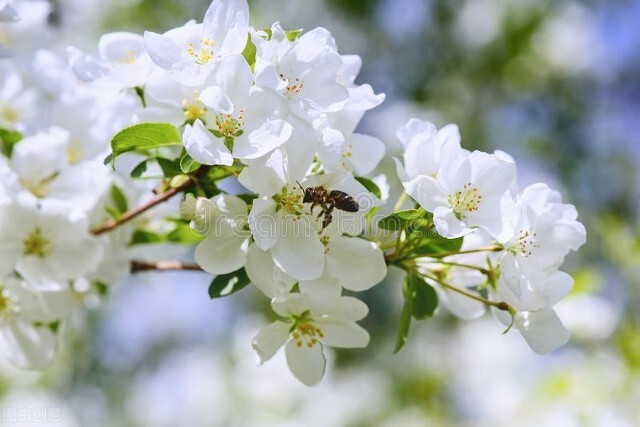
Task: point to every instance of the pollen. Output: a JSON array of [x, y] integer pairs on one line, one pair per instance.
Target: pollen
[[294, 86], [193, 110], [9, 307], [304, 332], [37, 244], [526, 243], [8, 115], [291, 202], [128, 58], [229, 126], [74, 153], [205, 52], [466, 200]]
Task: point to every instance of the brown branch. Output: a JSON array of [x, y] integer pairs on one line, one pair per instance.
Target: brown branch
[[168, 265], [129, 215]]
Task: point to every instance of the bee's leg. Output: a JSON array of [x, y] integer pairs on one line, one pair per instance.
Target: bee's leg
[[327, 216], [326, 220]]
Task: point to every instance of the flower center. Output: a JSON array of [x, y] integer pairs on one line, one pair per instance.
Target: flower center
[[74, 152], [128, 58], [526, 243], [9, 307], [193, 110], [37, 244], [466, 200], [294, 86], [204, 54], [8, 114], [291, 202], [228, 125], [304, 332], [39, 188]]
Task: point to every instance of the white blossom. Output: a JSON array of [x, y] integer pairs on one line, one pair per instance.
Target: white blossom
[[27, 317], [49, 244], [190, 52], [305, 329]]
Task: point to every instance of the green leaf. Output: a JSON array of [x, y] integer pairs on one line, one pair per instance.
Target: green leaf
[[370, 186], [249, 53], [140, 92], [119, 200], [188, 165], [247, 197], [405, 315], [9, 138], [183, 234], [432, 246], [141, 237], [409, 220], [144, 136], [155, 168], [227, 284], [425, 299], [293, 35]]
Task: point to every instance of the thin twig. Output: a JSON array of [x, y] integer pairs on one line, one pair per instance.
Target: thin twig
[[500, 305], [168, 265], [131, 214]]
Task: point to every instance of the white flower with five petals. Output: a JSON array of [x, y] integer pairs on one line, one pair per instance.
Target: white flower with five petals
[[469, 191], [26, 316], [246, 123], [191, 51], [304, 330]]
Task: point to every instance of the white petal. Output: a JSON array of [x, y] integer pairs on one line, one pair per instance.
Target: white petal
[[356, 263], [427, 192], [265, 275], [190, 74], [298, 250], [363, 98], [290, 305], [215, 98], [367, 153], [234, 77], [264, 223], [222, 252], [269, 340], [226, 23], [69, 260], [342, 334], [448, 225], [28, 347], [162, 50], [266, 175], [323, 293], [306, 363], [415, 127], [350, 309], [557, 287], [260, 141], [203, 147], [543, 330]]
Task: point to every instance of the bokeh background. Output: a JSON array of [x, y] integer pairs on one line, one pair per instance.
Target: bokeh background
[[555, 83]]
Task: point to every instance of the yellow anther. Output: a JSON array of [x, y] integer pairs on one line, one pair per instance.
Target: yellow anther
[[204, 54], [466, 200], [9, 307], [36, 244]]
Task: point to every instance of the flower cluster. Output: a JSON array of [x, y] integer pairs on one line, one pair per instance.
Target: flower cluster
[[516, 239], [257, 129]]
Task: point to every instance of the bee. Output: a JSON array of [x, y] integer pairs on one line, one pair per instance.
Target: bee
[[328, 200]]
